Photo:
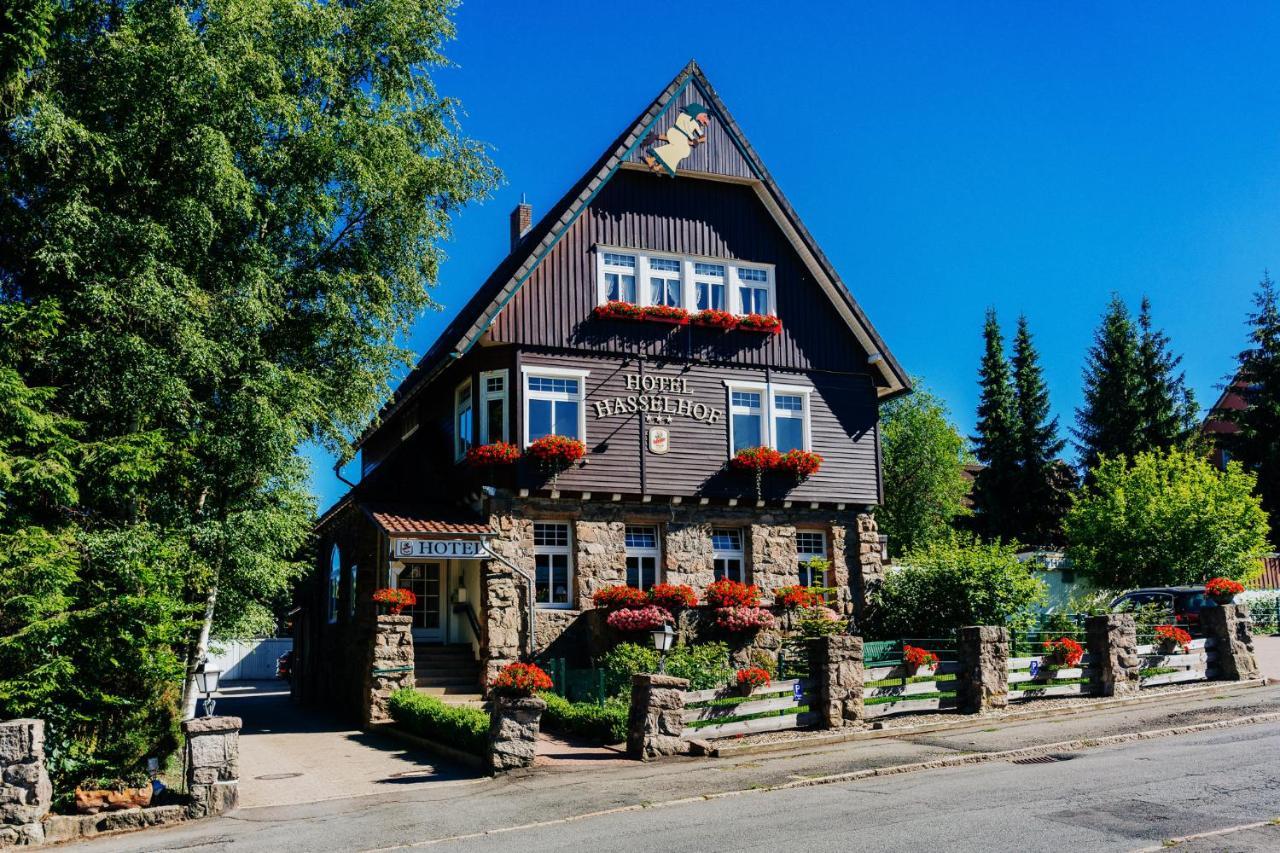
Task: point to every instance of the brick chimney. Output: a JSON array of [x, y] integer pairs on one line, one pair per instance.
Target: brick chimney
[[521, 221]]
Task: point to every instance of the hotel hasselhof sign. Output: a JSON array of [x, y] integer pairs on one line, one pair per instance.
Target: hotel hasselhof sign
[[661, 399]]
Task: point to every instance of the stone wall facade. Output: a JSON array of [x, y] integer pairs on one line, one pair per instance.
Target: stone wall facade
[[835, 667], [983, 681], [1229, 625], [513, 732], [656, 717], [391, 666], [25, 792], [1113, 642], [213, 764]]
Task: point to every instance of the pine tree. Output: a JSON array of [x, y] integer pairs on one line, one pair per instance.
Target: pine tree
[[1168, 406], [1257, 443], [995, 488], [1111, 421], [1039, 504]]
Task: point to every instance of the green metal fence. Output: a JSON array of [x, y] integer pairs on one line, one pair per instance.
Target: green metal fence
[[576, 685]]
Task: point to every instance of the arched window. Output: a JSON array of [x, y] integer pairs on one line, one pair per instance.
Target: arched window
[[335, 579], [352, 571]]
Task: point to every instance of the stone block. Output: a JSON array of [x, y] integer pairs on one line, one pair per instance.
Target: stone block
[[655, 720], [983, 682], [513, 732], [1228, 625], [1112, 640], [835, 667]]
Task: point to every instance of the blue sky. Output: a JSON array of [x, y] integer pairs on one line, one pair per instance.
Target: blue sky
[[948, 157]]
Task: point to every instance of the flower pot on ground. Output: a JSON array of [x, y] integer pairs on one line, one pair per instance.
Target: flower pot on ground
[[1223, 590], [1062, 653], [1171, 639], [394, 600], [750, 678], [915, 658], [520, 681], [96, 796]]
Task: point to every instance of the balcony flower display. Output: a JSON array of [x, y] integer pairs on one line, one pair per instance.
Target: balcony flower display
[[731, 593], [498, 453], [916, 658], [671, 596], [1223, 590], [395, 599], [616, 597], [715, 319], [767, 323], [741, 620], [803, 464], [616, 310], [666, 314], [751, 678], [519, 680], [1171, 638], [1063, 652], [796, 597], [631, 620], [756, 461]]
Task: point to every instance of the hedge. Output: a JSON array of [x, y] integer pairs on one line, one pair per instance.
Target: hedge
[[604, 724], [454, 725]]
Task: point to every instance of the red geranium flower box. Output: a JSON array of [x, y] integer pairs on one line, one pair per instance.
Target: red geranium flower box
[[755, 459], [1062, 652], [715, 319], [395, 599], [802, 463], [673, 595], [1171, 637], [556, 449], [613, 597], [769, 324], [520, 679], [616, 310], [793, 597], [498, 453], [1223, 590], [753, 677], [731, 593], [666, 314], [915, 657]]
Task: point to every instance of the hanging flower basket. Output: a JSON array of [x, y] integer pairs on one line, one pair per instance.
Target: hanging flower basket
[[916, 658], [714, 319], [615, 310], [614, 597], [768, 324], [394, 600], [751, 678], [803, 464], [1223, 590], [557, 450], [633, 620], [1062, 653], [666, 314], [498, 453], [731, 593], [672, 596], [520, 680], [1171, 639]]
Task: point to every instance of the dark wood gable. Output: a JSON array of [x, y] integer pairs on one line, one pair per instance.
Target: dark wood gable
[[719, 155]]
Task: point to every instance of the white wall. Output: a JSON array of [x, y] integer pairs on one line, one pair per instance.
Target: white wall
[[247, 660]]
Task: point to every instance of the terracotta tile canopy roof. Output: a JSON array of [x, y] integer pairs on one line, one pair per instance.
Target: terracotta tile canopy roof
[[425, 519]]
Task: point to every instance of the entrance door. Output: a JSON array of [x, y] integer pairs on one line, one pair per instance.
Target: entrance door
[[424, 580]]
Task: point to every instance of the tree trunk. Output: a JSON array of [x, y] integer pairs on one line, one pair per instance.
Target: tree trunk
[[189, 693]]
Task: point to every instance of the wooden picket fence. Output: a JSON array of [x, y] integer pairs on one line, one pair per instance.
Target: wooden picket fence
[[1190, 666], [911, 684], [1026, 680], [784, 702]]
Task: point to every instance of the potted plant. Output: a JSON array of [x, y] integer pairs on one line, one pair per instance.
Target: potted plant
[[796, 597], [802, 464], [713, 319], [1171, 639], [914, 658], [1062, 653], [673, 596], [666, 314], [554, 453], [393, 600], [756, 461], [519, 681], [618, 310], [730, 593], [743, 620], [631, 620], [751, 678], [1223, 590], [766, 323], [96, 795], [497, 453], [616, 597]]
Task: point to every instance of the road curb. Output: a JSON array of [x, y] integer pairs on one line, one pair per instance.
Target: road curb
[[973, 721]]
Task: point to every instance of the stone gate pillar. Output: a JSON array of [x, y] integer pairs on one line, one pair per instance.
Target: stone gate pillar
[[513, 732], [25, 791], [390, 666], [1228, 624], [835, 667], [983, 682], [1112, 640], [657, 716], [213, 764], [867, 569]]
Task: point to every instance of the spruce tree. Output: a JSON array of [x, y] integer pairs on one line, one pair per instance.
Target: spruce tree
[[1038, 504], [1168, 406], [1257, 443], [1111, 421], [995, 445]]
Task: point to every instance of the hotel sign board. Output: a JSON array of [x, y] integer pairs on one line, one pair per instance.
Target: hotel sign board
[[444, 549]]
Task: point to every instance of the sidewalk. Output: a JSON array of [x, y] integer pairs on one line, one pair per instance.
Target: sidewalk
[[1267, 650], [438, 811]]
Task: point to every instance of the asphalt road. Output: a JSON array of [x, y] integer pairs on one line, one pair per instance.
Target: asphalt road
[[1121, 798]]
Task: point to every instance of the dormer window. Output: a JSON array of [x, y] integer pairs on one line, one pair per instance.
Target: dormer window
[[696, 284], [619, 277], [753, 290], [664, 282]]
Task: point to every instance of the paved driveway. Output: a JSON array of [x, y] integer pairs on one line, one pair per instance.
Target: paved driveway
[[291, 755], [1267, 650]]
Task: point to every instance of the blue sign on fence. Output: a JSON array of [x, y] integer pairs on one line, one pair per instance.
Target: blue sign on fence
[[797, 692], [1035, 668]]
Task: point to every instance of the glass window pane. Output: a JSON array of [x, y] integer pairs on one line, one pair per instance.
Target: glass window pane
[[714, 270], [539, 419], [718, 297], [496, 421], [746, 399], [746, 431], [673, 293], [629, 288], [615, 259], [550, 533], [664, 264], [641, 537], [560, 578], [726, 539], [704, 296], [542, 565], [566, 418], [790, 434], [789, 402]]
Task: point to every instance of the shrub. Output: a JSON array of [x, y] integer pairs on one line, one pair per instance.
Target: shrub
[[705, 665], [731, 593], [738, 620], [428, 717], [520, 679], [603, 724], [614, 597], [753, 677], [1164, 519], [631, 620], [669, 596], [820, 622], [956, 582]]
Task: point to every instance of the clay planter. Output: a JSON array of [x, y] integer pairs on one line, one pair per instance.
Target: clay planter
[[92, 802], [1224, 599]]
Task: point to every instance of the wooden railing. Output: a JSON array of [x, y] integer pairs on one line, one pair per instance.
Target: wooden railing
[[1029, 679], [1193, 665], [921, 681], [782, 701]]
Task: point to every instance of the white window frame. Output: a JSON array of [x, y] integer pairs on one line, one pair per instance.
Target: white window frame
[[696, 278], [462, 445], [688, 278], [641, 553], [803, 557], [768, 392], [486, 397], [565, 550], [649, 273], [729, 554], [532, 370], [335, 583]]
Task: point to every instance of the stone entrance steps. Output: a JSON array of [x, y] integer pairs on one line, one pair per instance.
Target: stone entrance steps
[[450, 673]]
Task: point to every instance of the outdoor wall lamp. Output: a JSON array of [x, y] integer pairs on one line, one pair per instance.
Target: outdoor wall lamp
[[207, 683], [662, 640]]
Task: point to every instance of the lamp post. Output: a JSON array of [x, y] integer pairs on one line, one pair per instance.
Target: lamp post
[[662, 639], [207, 683]]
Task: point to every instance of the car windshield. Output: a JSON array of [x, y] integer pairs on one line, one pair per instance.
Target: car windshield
[[1192, 602]]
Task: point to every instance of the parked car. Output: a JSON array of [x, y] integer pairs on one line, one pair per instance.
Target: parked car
[[1183, 602], [284, 665]]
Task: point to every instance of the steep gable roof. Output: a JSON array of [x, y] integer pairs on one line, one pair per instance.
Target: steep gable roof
[[737, 162]]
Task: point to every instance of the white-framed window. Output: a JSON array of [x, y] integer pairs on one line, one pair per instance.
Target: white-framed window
[[618, 277], [643, 555], [754, 290], [553, 564], [462, 411], [335, 582], [727, 558], [665, 284], [810, 545], [493, 406], [554, 403], [684, 281], [769, 415]]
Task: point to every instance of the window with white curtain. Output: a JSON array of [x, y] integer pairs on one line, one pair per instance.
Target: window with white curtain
[[753, 290], [619, 277], [810, 545], [643, 556], [683, 281], [727, 558], [664, 282], [709, 287]]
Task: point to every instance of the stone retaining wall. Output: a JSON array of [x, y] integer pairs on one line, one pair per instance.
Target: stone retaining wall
[[1112, 640], [983, 682], [656, 717], [1229, 625]]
